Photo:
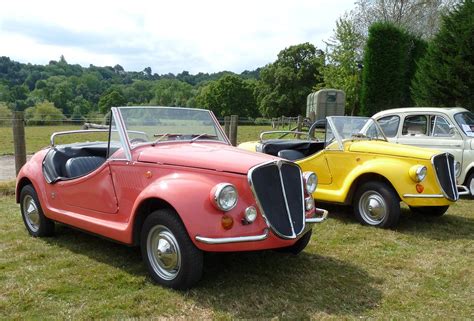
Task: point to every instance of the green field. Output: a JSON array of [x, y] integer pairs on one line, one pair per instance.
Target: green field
[[38, 137], [421, 270]]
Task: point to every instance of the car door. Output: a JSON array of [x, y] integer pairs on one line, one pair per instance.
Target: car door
[[433, 131]]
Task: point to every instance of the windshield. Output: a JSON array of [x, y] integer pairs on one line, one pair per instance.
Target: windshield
[[465, 120], [161, 124], [354, 128]]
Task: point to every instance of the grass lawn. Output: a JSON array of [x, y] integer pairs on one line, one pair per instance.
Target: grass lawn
[[38, 137], [421, 270]]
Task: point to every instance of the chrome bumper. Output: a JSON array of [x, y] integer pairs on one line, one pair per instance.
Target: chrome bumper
[[253, 238], [463, 190]]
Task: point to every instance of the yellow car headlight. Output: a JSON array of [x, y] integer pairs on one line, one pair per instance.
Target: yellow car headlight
[[418, 173]]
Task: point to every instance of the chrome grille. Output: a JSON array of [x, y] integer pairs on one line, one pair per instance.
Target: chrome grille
[[278, 189], [445, 174]]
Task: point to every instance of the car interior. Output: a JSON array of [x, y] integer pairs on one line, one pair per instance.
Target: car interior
[[65, 162], [291, 149]]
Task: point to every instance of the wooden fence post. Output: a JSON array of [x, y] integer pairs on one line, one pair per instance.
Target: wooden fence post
[[234, 119], [19, 140], [227, 125], [299, 125]]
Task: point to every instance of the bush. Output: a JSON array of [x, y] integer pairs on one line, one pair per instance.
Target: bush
[[44, 114]]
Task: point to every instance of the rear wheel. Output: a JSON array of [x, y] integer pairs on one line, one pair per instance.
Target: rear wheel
[[170, 255], [376, 204], [430, 210], [36, 223], [299, 246]]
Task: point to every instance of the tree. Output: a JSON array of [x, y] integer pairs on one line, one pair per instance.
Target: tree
[[111, 99], [444, 76], [384, 68], [172, 92], [230, 95], [286, 83], [419, 17], [344, 62]]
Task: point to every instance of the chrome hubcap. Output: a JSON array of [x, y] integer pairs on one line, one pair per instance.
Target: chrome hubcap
[[471, 187], [163, 252], [31, 214], [372, 207]]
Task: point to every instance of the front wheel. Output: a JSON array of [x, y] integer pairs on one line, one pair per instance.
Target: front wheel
[[430, 210], [36, 223], [170, 255], [299, 245], [470, 185], [377, 204]]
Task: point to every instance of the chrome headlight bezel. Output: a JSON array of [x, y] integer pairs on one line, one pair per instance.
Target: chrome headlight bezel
[[457, 168], [222, 190], [250, 214], [418, 173], [310, 180]]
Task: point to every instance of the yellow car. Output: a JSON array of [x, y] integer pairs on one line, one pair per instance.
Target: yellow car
[[356, 165]]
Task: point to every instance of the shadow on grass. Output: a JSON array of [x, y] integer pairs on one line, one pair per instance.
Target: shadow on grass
[[268, 284], [252, 284], [447, 227]]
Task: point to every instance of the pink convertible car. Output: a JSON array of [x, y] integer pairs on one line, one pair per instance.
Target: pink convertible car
[[168, 180]]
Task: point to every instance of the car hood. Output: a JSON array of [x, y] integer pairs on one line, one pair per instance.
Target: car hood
[[386, 148], [212, 156]]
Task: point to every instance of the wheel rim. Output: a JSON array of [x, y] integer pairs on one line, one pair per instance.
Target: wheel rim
[[372, 207], [471, 186], [163, 252], [31, 213]]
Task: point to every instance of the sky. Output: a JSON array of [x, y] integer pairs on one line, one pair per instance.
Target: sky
[[168, 36]]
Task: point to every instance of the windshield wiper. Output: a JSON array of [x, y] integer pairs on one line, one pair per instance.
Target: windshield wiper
[[163, 136], [202, 135]]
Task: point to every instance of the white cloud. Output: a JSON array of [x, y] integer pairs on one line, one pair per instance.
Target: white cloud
[[171, 36]]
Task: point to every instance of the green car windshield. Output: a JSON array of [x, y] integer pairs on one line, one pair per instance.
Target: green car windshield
[[342, 128], [161, 124]]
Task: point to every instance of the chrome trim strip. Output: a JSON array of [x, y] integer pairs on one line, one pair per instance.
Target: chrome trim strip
[[463, 190], [80, 131], [293, 235], [282, 132], [423, 196], [238, 239], [324, 214]]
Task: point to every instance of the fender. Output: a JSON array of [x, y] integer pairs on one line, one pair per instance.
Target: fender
[[195, 208], [29, 171]]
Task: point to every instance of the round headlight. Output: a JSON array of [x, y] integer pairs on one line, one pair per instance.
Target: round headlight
[[310, 182], [225, 196], [418, 173], [457, 168], [250, 214]]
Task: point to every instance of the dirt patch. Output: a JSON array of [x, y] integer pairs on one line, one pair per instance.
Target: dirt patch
[[7, 167]]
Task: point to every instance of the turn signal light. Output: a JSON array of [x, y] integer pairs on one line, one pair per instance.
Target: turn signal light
[[227, 222], [420, 188]]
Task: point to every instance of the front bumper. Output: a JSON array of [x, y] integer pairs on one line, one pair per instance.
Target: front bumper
[[322, 215], [462, 190]]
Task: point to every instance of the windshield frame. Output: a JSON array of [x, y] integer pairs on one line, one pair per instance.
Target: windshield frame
[[214, 123], [340, 139], [121, 128]]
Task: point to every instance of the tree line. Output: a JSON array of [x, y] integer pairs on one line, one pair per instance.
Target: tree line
[[383, 54]]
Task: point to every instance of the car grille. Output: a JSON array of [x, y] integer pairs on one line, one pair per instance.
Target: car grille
[[278, 189], [444, 166]]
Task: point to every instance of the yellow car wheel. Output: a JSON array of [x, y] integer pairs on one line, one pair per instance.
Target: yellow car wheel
[[376, 204]]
